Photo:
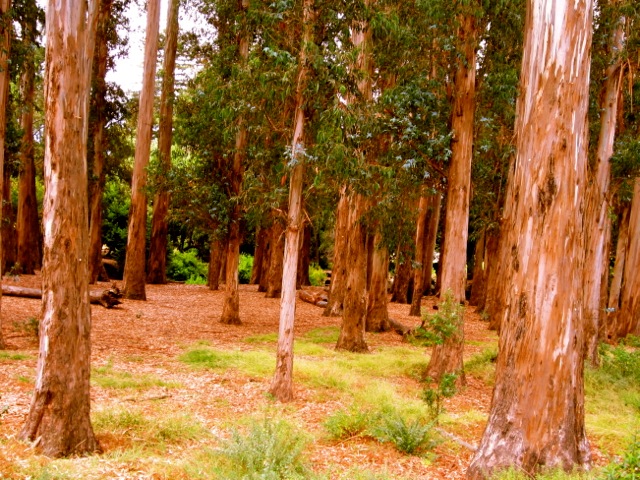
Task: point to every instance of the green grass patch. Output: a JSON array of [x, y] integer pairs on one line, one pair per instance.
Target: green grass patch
[[108, 377], [258, 363], [322, 335], [265, 338], [7, 355], [134, 429], [483, 365]]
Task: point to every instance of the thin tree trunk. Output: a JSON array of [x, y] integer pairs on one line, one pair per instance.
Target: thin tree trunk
[[231, 306], [8, 228], [97, 123], [615, 290], [597, 219], [489, 259], [629, 316], [258, 255], [416, 298], [276, 259], [479, 269], [447, 357], [339, 267], [58, 419], [266, 260], [402, 275], [134, 267], [282, 384], [216, 251], [157, 273], [5, 38], [303, 258], [28, 223], [537, 410]]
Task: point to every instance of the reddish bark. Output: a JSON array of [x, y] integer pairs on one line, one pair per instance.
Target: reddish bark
[[135, 263], [258, 255], [377, 318], [611, 329], [276, 259], [303, 258], [5, 39], [339, 266], [629, 316], [216, 252], [157, 271], [59, 419], [402, 275], [537, 410]]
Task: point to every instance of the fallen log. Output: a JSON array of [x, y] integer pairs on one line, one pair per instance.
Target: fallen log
[[317, 299], [107, 298]]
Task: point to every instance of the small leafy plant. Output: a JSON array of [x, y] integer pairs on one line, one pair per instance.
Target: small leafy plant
[[408, 437], [628, 468], [348, 423], [438, 327], [184, 266], [244, 268], [434, 397]]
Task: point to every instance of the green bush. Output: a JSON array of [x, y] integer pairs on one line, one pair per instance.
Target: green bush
[[620, 363], [272, 449], [439, 326], [435, 396], [317, 276], [116, 201], [185, 266], [348, 423], [408, 437], [244, 268], [628, 467]]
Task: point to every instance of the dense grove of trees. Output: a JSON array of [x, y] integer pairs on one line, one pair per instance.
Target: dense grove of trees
[[372, 137]]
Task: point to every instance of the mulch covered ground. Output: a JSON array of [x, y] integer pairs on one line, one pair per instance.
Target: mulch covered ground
[[146, 337]]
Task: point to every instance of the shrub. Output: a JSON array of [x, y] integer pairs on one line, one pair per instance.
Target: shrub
[[408, 437], [628, 467], [185, 266], [317, 276], [439, 326], [244, 268], [271, 449], [348, 423], [434, 396]]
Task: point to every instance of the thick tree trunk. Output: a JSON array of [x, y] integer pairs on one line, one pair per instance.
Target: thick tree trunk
[[354, 313], [28, 223], [231, 306], [258, 255], [377, 319], [426, 234], [629, 316], [97, 123], [435, 204], [276, 259], [454, 254], [537, 411], [339, 266], [157, 272], [58, 418], [134, 267], [597, 220], [5, 38], [216, 252]]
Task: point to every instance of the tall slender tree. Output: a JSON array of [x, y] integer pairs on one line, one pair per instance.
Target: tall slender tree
[[157, 271], [5, 38], [629, 316], [282, 384], [537, 410], [58, 419], [27, 223], [134, 268]]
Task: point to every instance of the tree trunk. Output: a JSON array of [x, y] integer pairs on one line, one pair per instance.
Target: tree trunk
[[157, 273], [339, 267], [402, 275], [447, 357], [597, 220], [5, 38], [416, 298], [282, 384], [97, 123], [58, 419], [231, 306], [377, 319], [488, 261], [258, 255], [8, 228], [106, 298], [629, 316], [303, 259], [266, 260], [134, 267], [276, 258], [216, 252], [615, 290], [435, 204], [28, 223], [479, 269], [354, 312], [537, 411]]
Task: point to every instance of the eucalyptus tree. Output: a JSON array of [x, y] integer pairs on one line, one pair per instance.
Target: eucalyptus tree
[[537, 409], [157, 271], [5, 37], [134, 268], [27, 222], [59, 415]]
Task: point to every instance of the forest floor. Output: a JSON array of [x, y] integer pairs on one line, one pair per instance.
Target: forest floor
[[138, 365]]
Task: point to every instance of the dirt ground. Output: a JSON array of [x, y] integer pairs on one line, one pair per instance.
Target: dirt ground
[[145, 337]]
